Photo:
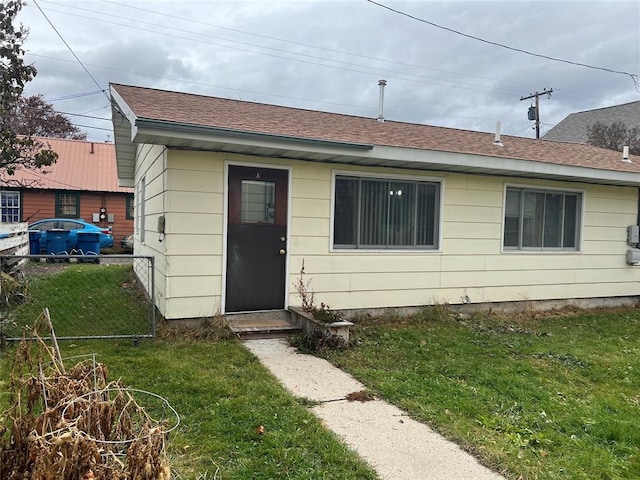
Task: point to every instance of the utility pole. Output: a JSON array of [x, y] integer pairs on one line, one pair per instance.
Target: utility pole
[[537, 96]]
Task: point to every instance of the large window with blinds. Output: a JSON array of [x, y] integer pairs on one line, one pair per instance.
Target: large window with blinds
[[385, 213], [542, 219]]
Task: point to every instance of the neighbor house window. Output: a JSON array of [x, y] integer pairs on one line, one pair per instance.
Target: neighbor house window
[[373, 213], [542, 219], [9, 207], [129, 206], [67, 204]]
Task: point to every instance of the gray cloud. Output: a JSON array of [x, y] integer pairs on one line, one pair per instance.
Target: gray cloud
[[434, 76]]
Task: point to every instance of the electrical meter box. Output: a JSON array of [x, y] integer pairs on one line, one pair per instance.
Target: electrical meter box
[[633, 256]]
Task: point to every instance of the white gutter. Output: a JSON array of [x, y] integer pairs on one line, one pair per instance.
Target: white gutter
[[393, 157]]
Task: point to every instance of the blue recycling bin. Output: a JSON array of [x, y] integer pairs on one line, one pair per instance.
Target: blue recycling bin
[[58, 242], [34, 242], [88, 244]]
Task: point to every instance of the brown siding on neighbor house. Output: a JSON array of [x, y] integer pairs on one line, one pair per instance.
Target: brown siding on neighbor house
[[40, 204]]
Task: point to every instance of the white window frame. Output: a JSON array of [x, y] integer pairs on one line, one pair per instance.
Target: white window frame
[[391, 177], [541, 250], [19, 207], [140, 213]]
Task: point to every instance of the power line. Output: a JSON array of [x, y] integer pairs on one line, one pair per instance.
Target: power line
[[372, 70], [293, 42], [94, 128], [443, 82], [71, 50], [547, 57], [73, 95], [253, 92], [84, 116], [95, 109], [29, 107]]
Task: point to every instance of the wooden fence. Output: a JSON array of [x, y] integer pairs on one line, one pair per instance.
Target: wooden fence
[[14, 240]]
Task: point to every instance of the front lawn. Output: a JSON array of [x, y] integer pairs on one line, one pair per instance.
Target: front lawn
[[223, 395], [221, 392], [557, 397]]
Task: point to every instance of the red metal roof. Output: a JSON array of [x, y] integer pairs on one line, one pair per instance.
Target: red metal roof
[[81, 165]]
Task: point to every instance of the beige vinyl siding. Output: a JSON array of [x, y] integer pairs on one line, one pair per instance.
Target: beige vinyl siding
[[150, 161], [470, 265], [194, 240]]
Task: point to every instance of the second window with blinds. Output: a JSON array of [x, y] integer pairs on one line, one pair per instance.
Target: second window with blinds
[[542, 219], [385, 213]]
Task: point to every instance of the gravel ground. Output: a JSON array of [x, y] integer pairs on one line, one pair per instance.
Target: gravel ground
[[44, 267]]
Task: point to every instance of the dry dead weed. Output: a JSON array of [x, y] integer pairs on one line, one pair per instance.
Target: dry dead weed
[[74, 423]]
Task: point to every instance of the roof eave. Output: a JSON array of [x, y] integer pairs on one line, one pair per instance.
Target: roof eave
[[383, 156], [186, 130], [124, 131], [489, 165]]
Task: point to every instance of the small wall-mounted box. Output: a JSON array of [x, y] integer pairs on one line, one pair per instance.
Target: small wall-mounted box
[[633, 256], [633, 234], [111, 217], [96, 217]]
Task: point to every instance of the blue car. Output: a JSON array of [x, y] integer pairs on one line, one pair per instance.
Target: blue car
[[73, 226]]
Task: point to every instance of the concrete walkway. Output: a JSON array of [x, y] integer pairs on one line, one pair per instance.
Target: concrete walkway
[[396, 446]]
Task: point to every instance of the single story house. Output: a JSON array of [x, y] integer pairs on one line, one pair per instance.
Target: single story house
[[83, 183], [231, 197]]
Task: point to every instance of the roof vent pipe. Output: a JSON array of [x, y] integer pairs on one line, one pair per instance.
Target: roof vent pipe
[[381, 84], [497, 141], [625, 154]]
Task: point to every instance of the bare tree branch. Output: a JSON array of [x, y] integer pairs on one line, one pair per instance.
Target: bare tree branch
[[614, 136]]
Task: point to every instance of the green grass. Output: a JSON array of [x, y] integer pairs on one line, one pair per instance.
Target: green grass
[[221, 391], [535, 398], [547, 398], [223, 394], [84, 299]]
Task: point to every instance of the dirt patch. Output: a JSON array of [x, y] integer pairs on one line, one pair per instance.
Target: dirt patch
[[361, 396], [44, 268]]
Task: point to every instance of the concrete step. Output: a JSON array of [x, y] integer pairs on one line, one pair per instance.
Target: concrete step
[[265, 324]]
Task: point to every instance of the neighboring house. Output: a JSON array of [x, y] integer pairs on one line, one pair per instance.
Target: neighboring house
[[233, 196], [574, 127], [83, 183]]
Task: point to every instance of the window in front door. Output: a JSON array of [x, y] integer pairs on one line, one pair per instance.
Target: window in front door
[[258, 201]]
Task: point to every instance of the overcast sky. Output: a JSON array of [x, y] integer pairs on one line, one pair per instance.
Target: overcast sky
[[329, 55]]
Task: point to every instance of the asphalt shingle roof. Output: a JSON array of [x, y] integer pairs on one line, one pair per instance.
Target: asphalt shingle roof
[[244, 116], [574, 127]]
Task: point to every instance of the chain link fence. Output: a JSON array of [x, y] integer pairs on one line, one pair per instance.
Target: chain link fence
[[88, 296]]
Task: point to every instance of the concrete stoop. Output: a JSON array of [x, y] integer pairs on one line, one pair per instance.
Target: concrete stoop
[[265, 324]]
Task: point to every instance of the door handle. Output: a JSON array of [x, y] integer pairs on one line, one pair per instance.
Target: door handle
[[282, 251]]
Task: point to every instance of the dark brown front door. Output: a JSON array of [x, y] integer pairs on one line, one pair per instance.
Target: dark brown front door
[[256, 239]]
